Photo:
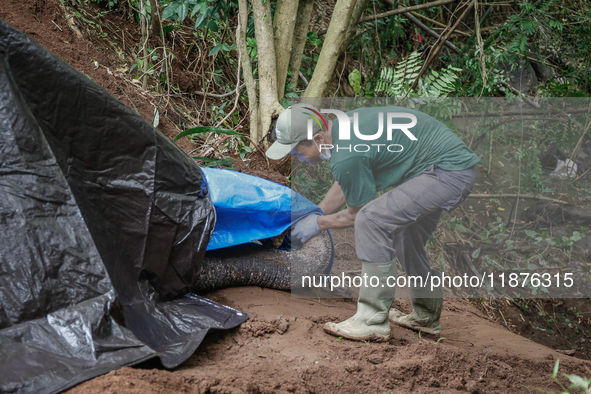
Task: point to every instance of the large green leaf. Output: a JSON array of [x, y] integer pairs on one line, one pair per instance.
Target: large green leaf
[[213, 26], [206, 129], [183, 11], [578, 383], [204, 12], [355, 80], [198, 7], [211, 162], [170, 10], [215, 49], [219, 47]]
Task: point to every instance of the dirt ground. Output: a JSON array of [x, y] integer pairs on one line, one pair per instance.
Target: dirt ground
[[282, 347]]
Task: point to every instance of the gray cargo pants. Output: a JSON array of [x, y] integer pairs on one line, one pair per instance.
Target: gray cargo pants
[[400, 222]]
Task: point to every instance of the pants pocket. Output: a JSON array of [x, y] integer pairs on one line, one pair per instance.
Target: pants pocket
[[466, 190]]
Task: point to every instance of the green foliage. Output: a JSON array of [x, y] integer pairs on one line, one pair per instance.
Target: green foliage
[[207, 13], [397, 82], [138, 66], [471, 82], [565, 88], [251, 47], [577, 382], [238, 145], [220, 47], [110, 4], [455, 223], [552, 29], [432, 88], [310, 55], [531, 158], [206, 129], [312, 181], [242, 149], [563, 242], [355, 80], [383, 39], [226, 162]]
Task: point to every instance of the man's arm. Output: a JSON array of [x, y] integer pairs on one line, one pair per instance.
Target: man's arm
[[333, 200], [359, 182], [344, 218]]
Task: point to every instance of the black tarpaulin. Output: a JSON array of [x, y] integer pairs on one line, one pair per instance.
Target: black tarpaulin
[[103, 225]]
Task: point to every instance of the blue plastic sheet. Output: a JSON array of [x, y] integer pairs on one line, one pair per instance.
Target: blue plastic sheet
[[249, 208]]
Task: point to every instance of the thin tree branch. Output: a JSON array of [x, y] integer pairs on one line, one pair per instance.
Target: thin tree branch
[[515, 196], [396, 12], [480, 23], [205, 94], [253, 106], [443, 40], [304, 79], [331, 49], [431, 32], [300, 36], [145, 37], [518, 93], [437, 23], [405, 9], [566, 111], [156, 24], [237, 78]]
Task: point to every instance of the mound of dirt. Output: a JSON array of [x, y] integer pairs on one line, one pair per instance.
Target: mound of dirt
[[283, 349], [139, 381], [44, 21]]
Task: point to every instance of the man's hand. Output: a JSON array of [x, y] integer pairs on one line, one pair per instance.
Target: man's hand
[[306, 228]]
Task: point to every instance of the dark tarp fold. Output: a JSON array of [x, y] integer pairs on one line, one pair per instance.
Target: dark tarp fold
[[103, 225]]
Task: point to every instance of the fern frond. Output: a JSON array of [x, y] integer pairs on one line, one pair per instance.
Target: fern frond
[[395, 82]]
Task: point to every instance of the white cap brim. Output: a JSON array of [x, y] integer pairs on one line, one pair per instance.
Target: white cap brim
[[278, 151]]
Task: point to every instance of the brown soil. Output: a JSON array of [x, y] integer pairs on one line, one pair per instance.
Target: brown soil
[[43, 21], [561, 324], [256, 165], [282, 348]]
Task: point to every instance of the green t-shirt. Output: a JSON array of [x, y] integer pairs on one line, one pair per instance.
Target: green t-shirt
[[364, 167]]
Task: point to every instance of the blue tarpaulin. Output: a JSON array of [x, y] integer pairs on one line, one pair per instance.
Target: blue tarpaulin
[[249, 208]]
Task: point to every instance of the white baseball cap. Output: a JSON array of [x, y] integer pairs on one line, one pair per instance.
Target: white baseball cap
[[291, 129]]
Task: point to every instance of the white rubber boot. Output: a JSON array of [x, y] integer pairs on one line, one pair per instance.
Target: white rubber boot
[[427, 307], [371, 322]]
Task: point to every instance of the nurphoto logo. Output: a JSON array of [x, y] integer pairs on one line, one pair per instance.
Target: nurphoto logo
[[345, 130]]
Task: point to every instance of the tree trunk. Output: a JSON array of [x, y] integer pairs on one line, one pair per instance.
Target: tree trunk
[[360, 6], [268, 102], [253, 107], [144, 32], [283, 27], [337, 30], [155, 15], [300, 34]]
